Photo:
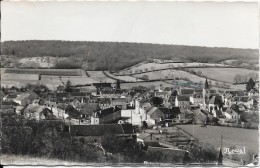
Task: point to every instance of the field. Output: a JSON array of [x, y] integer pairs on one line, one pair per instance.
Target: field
[[55, 77], [99, 76], [171, 74], [125, 78], [157, 66], [231, 137], [224, 74]]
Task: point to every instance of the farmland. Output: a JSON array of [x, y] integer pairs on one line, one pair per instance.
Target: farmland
[[157, 66], [223, 74], [170, 74], [125, 78], [238, 137], [99, 76], [55, 77]]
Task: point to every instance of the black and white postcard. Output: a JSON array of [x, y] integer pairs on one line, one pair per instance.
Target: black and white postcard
[[129, 83]]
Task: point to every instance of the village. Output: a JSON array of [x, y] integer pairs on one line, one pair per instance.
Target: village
[[147, 117]]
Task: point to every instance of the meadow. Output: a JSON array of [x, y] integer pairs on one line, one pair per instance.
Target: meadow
[[223, 74], [146, 66], [99, 76], [237, 137], [125, 78]]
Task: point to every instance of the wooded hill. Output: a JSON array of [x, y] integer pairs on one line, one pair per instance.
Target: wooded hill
[[115, 55]]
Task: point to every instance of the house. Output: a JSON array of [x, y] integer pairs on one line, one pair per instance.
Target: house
[[34, 112], [111, 93], [2, 94], [231, 115], [9, 106], [146, 139], [175, 111], [70, 96], [186, 92], [214, 103], [197, 99], [217, 113], [99, 86], [104, 103], [93, 133], [12, 90], [154, 116], [10, 97], [119, 103], [253, 93], [165, 95], [183, 102], [200, 117], [26, 98], [98, 117], [86, 110]]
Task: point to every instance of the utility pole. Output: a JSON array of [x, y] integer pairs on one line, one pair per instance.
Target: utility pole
[[220, 156]]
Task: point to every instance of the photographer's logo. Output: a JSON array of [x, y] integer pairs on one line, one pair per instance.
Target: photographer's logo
[[234, 150]]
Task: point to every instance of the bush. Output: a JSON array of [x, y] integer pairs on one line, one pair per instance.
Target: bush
[[66, 64], [43, 139]]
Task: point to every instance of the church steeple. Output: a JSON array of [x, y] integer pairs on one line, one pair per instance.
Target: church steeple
[[206, 86]]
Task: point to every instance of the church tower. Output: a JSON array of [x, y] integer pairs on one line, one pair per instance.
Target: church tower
[[206, 93]]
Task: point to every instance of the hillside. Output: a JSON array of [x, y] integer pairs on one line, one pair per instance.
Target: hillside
[[115, 55]]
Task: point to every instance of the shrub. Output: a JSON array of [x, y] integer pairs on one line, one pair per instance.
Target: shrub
[[66, 64]]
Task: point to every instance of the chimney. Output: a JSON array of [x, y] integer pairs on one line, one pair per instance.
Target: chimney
[[151, 136]]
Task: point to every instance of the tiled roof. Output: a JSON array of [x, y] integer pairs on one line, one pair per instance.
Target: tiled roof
[[88, 108], [187, 91], [22, 96], [105, 112], [183, 98], [215, 100], [118, 100]]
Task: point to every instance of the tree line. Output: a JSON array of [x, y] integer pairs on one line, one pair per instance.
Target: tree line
[[115, 55]]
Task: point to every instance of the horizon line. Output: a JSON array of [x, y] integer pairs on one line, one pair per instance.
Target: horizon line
[[134, 43]]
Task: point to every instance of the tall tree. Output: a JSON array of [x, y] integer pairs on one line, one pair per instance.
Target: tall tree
[[250, 84], [68, 86], [157, 101], [206, 84], [118, 84]]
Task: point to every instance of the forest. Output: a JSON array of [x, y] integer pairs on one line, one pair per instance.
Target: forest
[[116, 56]]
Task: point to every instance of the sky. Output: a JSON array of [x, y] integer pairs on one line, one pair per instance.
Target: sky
[[210, 24]]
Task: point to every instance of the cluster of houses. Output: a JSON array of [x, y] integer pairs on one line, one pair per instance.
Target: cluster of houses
[[110, 104], [111, 110]]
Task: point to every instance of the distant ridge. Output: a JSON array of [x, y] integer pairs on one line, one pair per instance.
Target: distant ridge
[[118, 55]]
